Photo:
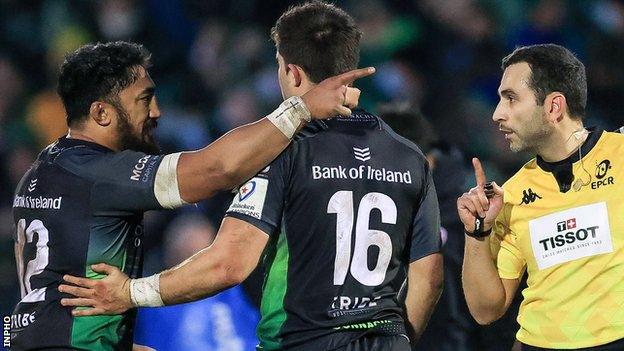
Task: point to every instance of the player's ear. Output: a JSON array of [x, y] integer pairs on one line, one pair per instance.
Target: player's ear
[[555, 106], [295, 74], [101, 113]]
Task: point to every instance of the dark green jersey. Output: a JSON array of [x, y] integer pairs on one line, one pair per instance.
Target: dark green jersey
[[347, 207], [79, 204]]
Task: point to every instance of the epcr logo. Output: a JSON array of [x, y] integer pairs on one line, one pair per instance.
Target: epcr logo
[[602, 168]]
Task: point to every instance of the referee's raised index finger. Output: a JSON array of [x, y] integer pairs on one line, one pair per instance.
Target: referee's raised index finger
[[479, 172], [349, 77]]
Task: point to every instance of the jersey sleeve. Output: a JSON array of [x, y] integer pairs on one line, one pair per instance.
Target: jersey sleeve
[[509, 260], [260, 201], [129, 180], [426, 237]]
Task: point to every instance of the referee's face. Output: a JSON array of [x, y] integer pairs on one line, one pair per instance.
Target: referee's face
[[520, 118]]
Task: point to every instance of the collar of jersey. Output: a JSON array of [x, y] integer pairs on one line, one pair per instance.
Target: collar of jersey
[[588, 145], [64, 142], [358, 115]]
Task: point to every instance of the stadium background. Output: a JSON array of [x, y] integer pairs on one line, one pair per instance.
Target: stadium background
[[215, 69]]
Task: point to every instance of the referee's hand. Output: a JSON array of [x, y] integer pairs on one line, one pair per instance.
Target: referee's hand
[[334, 96], [110, 295], [475, 203]]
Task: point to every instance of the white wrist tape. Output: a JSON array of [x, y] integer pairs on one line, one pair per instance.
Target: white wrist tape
[[145, 292], [289, 115]]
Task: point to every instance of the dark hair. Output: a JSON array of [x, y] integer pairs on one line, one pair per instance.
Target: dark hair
[[320, 37], [409, 122], [554, 68], [98, 72]]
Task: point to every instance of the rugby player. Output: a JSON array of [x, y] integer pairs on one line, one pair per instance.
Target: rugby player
[[344, 215], [559, 218], [83, 199]]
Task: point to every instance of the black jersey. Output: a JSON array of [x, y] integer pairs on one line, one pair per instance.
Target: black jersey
[[79, 204], [347, 207]]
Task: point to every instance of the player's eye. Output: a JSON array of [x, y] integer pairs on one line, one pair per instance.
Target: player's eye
[[147, 99]]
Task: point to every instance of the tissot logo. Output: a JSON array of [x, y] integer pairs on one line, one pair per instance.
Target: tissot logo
[[570, 234], [567, 224], [528, 196], [601, 174]]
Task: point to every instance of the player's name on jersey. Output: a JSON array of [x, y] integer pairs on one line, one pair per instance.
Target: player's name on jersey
[[361, 172], [38, 202]]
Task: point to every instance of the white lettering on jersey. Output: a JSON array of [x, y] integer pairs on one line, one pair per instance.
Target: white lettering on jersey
[[138, 168], [38, 202], [571, 234], [250, 198], [144, 168], [361, 172]]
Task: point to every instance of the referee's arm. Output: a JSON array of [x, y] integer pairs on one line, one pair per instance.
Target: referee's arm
[[487, 295]]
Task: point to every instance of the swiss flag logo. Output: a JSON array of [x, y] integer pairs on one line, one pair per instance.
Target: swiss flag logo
[[571, 223]]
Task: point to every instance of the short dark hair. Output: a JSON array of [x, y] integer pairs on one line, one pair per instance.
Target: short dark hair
[[409, 122], [98, 72], [553, 68], [320, 37]]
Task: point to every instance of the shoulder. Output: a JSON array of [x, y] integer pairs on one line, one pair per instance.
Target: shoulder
[[615, 137], [528, 170], [95, 163], [400, 140], [515, 185]]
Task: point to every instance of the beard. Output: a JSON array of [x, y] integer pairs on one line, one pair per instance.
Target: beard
[[534, 134], [128, 140]]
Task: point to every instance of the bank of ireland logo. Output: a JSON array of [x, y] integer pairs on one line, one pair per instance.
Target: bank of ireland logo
[[246, 190], [362, 154], [602, 168]]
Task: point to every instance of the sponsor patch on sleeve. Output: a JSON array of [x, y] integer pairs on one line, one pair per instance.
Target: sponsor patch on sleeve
[[571, 234], [250, 198]]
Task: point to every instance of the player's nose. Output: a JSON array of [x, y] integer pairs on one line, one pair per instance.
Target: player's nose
[[154, 111]]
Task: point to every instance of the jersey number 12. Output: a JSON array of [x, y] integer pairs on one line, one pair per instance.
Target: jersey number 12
[[36, 265], [341, 203]]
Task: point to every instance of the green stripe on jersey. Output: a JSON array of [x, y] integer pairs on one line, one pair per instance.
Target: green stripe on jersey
[[96, 332], [272, 305], [99, 332]]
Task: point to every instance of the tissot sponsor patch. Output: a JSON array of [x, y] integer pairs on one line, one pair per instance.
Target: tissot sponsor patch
[[571, 234], [250, 198]]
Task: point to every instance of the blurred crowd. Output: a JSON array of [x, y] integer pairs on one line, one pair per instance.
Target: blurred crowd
[[438, 64]]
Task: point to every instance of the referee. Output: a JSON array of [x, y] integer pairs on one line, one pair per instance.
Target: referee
[[559, 218]]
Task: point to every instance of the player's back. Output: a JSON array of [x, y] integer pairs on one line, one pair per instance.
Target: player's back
[[345, 207], [68, 215]]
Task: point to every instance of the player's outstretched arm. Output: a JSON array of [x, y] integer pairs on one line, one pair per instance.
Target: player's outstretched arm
[[424, 286], [487, 295], [244, 151], [227, 262]]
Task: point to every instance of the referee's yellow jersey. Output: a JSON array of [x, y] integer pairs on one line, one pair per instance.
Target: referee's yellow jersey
[[570, 243]]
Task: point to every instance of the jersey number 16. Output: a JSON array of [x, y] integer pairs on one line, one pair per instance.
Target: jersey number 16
[[341, 203]]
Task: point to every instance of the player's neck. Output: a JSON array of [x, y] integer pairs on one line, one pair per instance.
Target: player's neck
[[93, 137], [563, 142]]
